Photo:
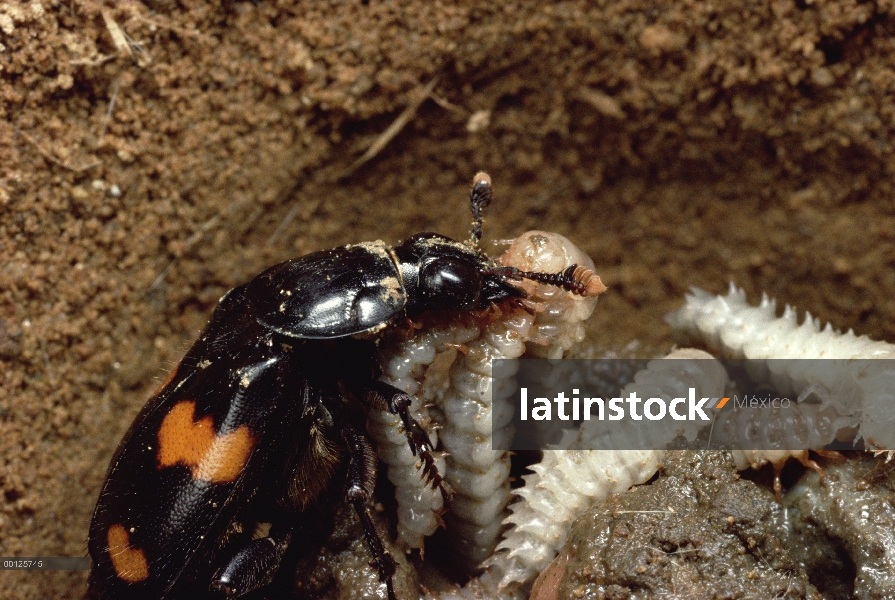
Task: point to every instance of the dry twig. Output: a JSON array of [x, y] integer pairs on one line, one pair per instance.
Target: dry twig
[[109, 110], [119, 38], [394, 129], [50, 157]]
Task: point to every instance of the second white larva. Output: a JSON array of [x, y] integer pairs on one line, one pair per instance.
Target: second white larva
[[730, 326], [806, 425], [567, 482]]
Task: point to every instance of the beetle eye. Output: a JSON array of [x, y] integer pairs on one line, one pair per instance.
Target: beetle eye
[[451, 283]]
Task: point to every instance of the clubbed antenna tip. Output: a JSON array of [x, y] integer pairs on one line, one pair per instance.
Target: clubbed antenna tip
[[584, 281], [481, 177], [479, 198]]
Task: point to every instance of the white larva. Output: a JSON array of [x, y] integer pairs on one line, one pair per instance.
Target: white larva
[[802, 424], [660, 379], [447, 371], [557, 325], [733, 328], [418, 366], [566, 482], [479, 475]]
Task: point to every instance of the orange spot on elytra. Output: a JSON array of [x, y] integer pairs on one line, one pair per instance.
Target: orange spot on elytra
[[129, 563], [212, 457]]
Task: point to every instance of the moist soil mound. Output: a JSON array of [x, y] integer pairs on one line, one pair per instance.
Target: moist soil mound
[[155, 154], [699, 531]]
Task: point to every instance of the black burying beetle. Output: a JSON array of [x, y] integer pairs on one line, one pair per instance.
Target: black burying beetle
[[259, 421]]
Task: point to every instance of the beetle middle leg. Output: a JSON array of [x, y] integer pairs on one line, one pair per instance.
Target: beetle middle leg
[[383, 396], [358, 492]]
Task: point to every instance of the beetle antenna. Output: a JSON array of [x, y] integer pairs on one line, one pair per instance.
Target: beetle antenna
[[479, 198], [576, 279]]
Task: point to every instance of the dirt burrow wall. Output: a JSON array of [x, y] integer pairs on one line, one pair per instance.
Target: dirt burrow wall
[[153, 155]]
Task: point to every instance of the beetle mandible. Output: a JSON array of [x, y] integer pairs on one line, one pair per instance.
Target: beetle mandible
[[259, 423]]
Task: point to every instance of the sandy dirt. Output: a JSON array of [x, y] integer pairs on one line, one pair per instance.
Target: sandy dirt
[[154, 155]]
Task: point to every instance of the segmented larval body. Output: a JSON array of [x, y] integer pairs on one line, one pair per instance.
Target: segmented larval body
[[446, 368], [475, 405], [420, 367], [470, 407], [567, 482], [804, 425], [557, 324], [735, 329], [664, 379]]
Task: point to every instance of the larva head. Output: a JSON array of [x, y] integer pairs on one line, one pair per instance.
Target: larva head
[[542, 252]]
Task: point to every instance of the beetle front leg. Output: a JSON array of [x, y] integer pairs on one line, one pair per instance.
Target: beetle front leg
[[383, 396], [359, 491], [253, 567]]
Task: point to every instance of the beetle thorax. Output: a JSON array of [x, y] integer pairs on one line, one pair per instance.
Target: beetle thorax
[[442, 274]]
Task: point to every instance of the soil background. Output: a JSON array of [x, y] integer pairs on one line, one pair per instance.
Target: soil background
[[154, 155]]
